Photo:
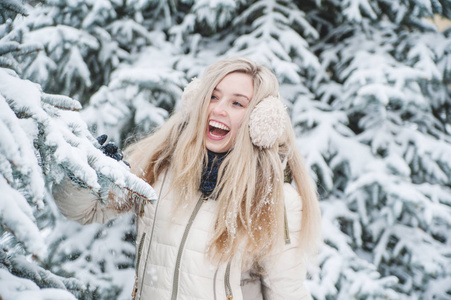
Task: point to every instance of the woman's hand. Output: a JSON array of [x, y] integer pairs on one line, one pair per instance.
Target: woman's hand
[[110, 149]]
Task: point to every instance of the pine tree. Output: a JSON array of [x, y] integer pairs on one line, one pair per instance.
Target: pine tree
[[383, 115], [9, 9], [83, 42], [41, 144], [139, 97], [43, 140], [101, 256]]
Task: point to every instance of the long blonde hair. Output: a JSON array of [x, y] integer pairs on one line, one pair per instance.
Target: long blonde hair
[[250, 179]]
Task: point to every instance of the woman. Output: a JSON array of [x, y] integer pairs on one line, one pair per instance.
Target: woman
[[225, 225]]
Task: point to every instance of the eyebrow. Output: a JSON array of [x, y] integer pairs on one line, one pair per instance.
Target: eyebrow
[[236, 94]]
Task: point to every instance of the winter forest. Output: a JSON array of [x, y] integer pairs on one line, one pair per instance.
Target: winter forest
[[367, 84]]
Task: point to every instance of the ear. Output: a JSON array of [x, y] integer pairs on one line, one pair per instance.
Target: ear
[[267, 122], [190, 92]]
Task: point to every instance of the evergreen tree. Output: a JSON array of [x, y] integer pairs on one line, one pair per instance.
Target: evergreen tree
[[383, 126], [139, 97], [100, 256], [83, 42], [43, 140]]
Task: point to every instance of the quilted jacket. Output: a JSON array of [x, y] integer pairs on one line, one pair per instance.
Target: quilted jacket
[[171, 249]]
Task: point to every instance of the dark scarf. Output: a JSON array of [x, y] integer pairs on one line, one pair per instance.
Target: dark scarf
[[210, 172]]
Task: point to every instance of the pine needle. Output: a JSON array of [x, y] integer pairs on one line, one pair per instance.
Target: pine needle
[[61, 102]]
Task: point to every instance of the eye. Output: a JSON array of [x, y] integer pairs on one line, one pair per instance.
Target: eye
[[213, 97], [236, 103]]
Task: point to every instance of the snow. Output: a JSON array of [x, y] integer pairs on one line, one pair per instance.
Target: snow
[[17, 216], [16, 147], [25, 94], [75, 66], [41, 68], [14, 288], [101, 9]]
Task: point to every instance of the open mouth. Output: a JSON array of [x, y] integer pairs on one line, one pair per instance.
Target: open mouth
[[217, 129]]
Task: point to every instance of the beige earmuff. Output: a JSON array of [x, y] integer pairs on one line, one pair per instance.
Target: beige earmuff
[[189, 94], [267, 122]]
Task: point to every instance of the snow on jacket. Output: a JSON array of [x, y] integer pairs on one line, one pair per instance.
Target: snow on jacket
[[171, 249]]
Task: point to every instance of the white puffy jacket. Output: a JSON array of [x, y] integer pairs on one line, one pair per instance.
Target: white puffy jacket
[[171, 249]]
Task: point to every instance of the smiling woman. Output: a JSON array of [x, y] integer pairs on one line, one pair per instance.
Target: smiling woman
[[226, 224]]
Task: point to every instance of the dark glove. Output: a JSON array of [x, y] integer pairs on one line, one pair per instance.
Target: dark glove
[[110, 149]]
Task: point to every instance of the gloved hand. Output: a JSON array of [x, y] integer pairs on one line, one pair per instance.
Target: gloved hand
[[110, 149]]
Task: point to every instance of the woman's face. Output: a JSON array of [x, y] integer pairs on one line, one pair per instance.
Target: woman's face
[[228, 105]]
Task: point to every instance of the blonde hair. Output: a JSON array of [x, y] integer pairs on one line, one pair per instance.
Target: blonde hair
[[250, 179]]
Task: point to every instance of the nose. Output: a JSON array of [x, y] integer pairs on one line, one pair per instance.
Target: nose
[[219, 108]]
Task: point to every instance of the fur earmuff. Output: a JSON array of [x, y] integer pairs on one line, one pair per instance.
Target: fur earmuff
[[267, 122], [189, 93]]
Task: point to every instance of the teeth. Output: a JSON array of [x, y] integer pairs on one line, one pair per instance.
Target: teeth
[[219, 125]]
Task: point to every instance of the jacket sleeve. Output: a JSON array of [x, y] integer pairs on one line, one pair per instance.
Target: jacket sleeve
[[285, 270], [80, 205]]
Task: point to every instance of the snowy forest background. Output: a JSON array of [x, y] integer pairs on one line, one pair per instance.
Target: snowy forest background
[[367, 84]]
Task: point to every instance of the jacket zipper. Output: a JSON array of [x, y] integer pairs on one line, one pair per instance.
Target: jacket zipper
[[151, 236], [287, 232], [228, 288], [140, 248], [181, 247], [214, 283]]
